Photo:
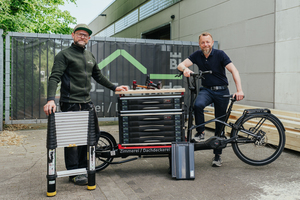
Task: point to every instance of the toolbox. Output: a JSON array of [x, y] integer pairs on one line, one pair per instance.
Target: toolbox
[[151, 119], [146, 103]]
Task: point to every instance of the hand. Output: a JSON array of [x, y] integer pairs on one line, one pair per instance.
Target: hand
[[187, 72], [122, 88], [49, 106], [239, 95]]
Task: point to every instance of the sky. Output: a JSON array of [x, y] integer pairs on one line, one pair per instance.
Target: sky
[[86, 10]]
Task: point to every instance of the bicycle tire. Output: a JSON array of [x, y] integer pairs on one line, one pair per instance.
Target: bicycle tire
[[106, 142], [268, 148]]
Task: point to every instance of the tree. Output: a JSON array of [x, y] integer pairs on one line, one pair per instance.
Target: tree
[[32, 16], [35, 16]]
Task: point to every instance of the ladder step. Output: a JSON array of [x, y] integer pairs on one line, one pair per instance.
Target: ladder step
[[73, 114], [73, 121], [70, 144], [75, 137], [73, 129], [72, 172]]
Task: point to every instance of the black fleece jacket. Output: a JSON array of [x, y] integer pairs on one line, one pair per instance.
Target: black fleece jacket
[[74, 67]]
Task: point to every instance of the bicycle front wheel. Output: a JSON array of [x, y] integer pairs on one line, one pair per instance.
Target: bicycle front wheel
[[106, 142], [261, 142]]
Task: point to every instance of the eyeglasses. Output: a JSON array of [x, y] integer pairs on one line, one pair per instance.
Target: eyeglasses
[[82, 35]]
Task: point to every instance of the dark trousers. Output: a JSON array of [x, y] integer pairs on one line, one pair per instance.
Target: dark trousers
[[206, 97], [76, 157]]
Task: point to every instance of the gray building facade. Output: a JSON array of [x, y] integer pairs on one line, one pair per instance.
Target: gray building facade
[[262, 38]]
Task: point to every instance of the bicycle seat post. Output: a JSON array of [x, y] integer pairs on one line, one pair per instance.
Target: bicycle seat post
[[228, 112]]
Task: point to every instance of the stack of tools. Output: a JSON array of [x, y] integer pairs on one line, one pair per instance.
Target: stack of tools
[[148, 85]]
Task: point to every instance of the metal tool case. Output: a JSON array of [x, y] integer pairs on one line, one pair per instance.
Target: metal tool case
[[151, 119]]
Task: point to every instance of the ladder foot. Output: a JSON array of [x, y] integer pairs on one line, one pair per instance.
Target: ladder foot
[[51, 194], [91, 187]]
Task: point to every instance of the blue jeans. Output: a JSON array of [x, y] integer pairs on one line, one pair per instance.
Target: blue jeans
[[206, 97]]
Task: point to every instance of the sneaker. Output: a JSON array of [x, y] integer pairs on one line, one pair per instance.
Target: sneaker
[[79, 179], [198, 137], [217, 162]]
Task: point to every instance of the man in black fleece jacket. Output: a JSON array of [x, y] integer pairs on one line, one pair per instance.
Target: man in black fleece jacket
[[74, 67]]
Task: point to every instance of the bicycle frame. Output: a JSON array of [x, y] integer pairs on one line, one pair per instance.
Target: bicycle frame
[[193, 88]]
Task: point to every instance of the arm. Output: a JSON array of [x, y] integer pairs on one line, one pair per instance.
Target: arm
[[99, 78], [184, 67], [236, 77], [58, 69]]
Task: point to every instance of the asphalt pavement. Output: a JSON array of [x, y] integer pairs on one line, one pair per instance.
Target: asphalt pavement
[[24, 169]]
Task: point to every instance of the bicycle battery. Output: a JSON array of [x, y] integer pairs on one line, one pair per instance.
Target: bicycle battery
[[183, 164]]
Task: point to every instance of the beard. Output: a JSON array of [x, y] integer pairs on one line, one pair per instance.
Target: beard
[[82, 44], [206, 50]]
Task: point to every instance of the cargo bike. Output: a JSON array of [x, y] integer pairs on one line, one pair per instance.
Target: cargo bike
[[152, 125]]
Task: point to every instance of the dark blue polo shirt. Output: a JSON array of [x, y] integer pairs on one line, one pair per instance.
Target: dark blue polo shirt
[[216, 62]]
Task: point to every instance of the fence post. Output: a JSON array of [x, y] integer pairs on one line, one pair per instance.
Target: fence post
[[1, 79], [7, 77]]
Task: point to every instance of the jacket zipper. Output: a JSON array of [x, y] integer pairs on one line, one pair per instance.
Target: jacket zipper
[[85, 74]]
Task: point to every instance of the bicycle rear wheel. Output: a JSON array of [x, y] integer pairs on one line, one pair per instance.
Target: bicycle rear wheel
[[264, 149], [106, 142]]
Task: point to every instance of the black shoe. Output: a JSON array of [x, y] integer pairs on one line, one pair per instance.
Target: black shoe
[[198, 137], [79, 179]]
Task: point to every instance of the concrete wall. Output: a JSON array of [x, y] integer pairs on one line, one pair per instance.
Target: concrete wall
[[245, 31], [287, 62], [262, 38]]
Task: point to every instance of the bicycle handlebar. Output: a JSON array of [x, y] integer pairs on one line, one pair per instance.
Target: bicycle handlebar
[[201, 72], [231, 97], [195, 74]]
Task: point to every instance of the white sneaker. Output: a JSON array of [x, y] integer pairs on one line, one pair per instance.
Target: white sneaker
[[198, 137], [217, 163]]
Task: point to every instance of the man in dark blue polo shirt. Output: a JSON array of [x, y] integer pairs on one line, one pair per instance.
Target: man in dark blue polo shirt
[[214, 86]]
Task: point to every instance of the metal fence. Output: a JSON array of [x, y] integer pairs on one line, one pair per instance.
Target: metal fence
[[30, 57]]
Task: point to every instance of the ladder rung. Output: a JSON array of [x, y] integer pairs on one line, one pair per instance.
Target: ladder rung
[[70, 130], [73, 113], [70, 137], [72, 172], [82, 119], [71, 123], [73, 140], [71, 144]]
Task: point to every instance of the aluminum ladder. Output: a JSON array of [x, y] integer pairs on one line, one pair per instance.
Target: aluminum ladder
[[70, 129]]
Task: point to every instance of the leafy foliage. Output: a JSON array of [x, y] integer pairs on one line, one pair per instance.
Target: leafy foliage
[[35, 16]]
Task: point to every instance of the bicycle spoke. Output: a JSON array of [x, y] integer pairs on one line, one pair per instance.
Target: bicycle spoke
[[105, 143], [258, 125]]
